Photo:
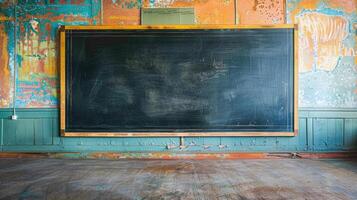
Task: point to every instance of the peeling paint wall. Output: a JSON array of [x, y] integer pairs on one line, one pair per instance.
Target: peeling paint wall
[[5, 71], [36, 44], [261, 11], [121, 12], [37, 83], [6, 54], [327, 61], [327, 52]]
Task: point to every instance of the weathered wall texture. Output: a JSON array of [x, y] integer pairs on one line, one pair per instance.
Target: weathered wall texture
[[207, 11], [121, 12], [261, 11], [6, 55], [328, 76], [327, 52], [36, 40]]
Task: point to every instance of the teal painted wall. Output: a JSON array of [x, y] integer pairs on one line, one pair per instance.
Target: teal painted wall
[[37, 130]]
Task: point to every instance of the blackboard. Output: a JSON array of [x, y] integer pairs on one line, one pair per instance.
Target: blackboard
[[185, 80]]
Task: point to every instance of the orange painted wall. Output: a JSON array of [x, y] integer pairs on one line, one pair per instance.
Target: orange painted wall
[[6, 82], [121, 12], [261, 11], [206, 11], [5, 75]]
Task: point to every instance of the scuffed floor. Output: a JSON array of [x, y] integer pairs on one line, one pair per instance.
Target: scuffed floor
[[178, 179]]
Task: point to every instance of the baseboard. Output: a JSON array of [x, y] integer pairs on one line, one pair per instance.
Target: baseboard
[[186, 156]]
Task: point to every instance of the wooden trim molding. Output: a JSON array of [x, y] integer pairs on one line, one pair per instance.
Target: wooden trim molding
[[174, 134], [176, 156], [62, 59], [176, 27], [62, 54], [296, 79]]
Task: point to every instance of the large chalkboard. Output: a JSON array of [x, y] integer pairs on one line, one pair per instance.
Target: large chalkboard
[[226, 80]]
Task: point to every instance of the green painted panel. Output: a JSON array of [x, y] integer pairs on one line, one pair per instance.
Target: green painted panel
[[327, 133], [149, 141], [77, 148], [299, 142], [152, 16], [30, 113], [9, 135], [19, 132], [1, 133], [43, 131], [335, 133], [302, 136], [55, 131], [327, 113], [350, 137], [310, 134]]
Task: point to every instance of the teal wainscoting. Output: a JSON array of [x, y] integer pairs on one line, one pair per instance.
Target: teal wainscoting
[[37, 130]]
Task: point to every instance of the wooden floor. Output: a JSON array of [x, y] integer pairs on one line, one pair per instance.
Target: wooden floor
[[178, 179]]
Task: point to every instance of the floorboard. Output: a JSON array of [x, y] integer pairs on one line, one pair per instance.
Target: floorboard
[[34, 178]]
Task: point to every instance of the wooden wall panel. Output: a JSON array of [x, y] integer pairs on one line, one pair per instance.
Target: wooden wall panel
[[327, 133], [43, 130], [20, 132], [350, 136], [319, 130]]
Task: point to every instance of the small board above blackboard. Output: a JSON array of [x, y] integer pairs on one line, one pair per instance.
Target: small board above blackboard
[[178, 80], [152, 16]]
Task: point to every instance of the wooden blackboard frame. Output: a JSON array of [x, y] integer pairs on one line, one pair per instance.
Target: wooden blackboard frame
[[62, 63]]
